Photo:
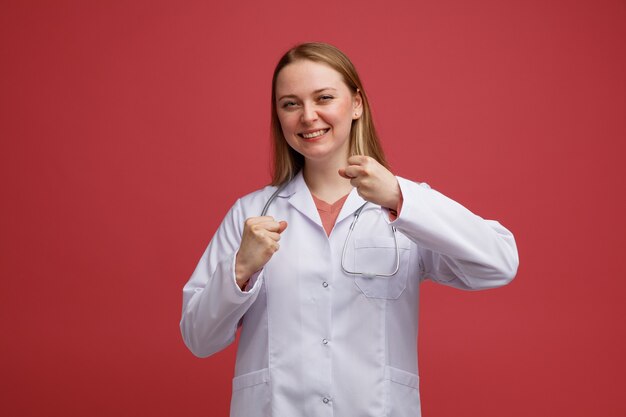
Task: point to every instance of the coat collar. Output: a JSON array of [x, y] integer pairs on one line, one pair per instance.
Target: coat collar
[[300, 198]]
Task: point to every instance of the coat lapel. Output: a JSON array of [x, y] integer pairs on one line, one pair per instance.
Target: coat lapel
[[300, 198], [353, 202]]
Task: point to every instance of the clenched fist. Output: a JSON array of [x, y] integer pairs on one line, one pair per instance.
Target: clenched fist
[[373, 181], [258, 243]]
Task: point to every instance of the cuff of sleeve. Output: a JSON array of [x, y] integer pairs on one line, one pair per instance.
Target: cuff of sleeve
[[410, 193], [393, 214], [253, 284]]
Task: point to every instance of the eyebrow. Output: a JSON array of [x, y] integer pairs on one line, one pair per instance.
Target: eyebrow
[[314, 92]]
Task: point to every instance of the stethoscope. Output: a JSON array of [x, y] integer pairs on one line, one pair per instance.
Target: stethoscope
[[357, 213]]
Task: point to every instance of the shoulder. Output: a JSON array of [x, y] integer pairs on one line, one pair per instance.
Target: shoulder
[[251, 204]]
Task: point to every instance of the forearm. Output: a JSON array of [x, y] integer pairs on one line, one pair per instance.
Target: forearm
[[213, 310]]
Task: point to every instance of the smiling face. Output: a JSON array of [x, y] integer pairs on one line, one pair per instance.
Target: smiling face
[[315, 109]]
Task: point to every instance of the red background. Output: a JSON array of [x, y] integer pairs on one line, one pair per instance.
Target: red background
[[129, 128]]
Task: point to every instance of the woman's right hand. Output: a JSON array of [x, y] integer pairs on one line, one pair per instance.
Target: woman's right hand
[[258, 243]]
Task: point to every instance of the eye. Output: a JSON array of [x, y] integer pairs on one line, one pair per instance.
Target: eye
[[326, 97], [288, 104]]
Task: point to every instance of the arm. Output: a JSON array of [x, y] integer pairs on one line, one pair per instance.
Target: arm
[[213, 303], [457, 247]]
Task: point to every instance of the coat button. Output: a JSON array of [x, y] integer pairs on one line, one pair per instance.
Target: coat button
[[326, 400], [324, 341], [324, 284]]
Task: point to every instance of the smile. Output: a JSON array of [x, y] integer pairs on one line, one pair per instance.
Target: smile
[[312, 135]]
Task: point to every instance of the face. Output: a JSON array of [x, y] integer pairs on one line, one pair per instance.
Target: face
[[315, 109]]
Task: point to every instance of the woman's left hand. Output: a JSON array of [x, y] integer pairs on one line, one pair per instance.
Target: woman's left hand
[[373, 181]]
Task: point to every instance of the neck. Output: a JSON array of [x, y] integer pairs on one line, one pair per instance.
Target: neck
[[324, 181]]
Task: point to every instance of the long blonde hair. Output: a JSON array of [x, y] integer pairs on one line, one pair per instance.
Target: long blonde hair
[[363, 137]]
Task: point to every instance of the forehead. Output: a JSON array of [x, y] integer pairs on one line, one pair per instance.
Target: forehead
[[302, 77]]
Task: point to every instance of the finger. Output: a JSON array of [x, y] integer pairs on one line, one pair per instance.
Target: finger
[[358, 159], [272, 226], [353, 171], [273, 235], [342, 172], [251, 221], [272, 245]]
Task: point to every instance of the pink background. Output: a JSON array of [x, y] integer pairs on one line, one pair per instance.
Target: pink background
[[129, 128]]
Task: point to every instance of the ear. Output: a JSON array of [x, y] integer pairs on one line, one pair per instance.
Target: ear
[[357, 105]]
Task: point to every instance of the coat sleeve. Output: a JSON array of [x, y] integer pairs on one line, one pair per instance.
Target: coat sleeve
[[457, 247], [213, 303]]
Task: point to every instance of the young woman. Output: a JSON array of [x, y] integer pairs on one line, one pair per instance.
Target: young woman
[[326, 284]]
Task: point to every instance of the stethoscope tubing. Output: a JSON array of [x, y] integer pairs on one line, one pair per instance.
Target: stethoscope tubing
[[357, 213]]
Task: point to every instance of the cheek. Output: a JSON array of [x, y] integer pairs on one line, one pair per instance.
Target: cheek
[[288, 127], [341, 118], [343, 112], [286, 121]]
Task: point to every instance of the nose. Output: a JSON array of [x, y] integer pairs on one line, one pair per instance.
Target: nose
[[309, 114]]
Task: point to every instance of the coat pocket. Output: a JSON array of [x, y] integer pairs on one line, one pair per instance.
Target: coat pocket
[[375, 257], [403, 398], [251, 394]]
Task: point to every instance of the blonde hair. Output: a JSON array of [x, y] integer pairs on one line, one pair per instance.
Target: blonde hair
[[363, 137]]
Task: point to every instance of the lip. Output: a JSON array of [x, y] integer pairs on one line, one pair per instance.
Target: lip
[[325, 129]]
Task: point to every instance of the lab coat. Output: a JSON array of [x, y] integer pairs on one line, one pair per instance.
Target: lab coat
[[316, 341]]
